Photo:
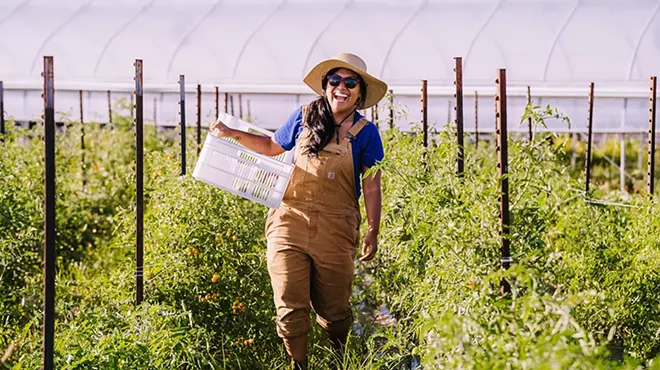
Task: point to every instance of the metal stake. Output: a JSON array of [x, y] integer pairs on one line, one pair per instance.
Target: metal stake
[[199, 118], [589, 136], [503, 169], [391, 109], [458, 82], [182, 114], [109, 109], [476, 119], [139, 188], [529, 120], [425, 127], [231, 100], [240, 106], [226, 103], [49, 210], [155, 111], [217, 103], [82, 139], [2, 111], [650, 173]]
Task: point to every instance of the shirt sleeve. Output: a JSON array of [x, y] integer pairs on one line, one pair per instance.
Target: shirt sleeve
[[288, 133], [372, 146]]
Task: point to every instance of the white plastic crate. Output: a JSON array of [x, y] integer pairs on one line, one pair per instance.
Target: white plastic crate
[[226, 164]]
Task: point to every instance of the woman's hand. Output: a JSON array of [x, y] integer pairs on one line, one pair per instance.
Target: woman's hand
[[369, 247], [373, 200], [223, 130]]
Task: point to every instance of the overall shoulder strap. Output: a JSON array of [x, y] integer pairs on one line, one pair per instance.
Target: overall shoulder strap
[[305, 110], [355, 130]]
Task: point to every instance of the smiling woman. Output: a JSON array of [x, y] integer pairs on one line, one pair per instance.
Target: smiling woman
[[313, 236]]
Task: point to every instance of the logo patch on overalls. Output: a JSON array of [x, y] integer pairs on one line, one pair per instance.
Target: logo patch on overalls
[[331, 175]]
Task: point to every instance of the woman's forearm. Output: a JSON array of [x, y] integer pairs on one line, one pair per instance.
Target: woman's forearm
[[373, 201], [261, 144]]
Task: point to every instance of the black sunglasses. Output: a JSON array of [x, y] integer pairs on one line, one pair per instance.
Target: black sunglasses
[[349, 82]]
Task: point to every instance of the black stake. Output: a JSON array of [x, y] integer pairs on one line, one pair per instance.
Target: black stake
[[425, 127], [2, 112], [49, 210], [391, 109], [458, 69], [529, 120], [240, 106], [182, 117], [650, 174], [139, 188], [476, 119], [109, 109], [502, 171], [589, 136], [199, 118], [82, 140], [217, 103]]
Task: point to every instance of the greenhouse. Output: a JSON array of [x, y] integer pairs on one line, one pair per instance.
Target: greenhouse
[[169, 200], [261, 49]]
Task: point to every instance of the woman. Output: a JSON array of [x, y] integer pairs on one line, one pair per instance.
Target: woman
[[313, 236]]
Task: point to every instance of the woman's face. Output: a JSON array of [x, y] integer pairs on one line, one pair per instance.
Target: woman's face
[[342, 90]]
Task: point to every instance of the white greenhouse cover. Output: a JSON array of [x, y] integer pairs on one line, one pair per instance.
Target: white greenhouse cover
[[267, 46]]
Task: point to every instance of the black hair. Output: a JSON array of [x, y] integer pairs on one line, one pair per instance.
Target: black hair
[[320, 120]]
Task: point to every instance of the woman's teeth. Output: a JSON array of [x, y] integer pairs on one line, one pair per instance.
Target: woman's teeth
[[341, 97]]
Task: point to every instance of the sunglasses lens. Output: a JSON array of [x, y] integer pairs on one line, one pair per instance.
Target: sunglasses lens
[[350, 82], [334, 80]]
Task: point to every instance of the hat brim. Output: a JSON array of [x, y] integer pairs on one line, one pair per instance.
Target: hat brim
[[376, 89]]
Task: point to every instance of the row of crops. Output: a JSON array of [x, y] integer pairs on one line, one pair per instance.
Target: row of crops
[[585, 278]]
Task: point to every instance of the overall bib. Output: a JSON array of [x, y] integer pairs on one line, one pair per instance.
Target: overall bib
[[313, 239]]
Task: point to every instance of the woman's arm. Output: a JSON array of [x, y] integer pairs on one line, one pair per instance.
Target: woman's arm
[[261, 144], [373, 205]]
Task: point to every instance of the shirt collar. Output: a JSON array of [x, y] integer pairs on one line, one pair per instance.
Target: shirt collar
[[356, 117]]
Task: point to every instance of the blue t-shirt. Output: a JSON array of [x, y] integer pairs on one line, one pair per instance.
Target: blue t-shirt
[[367, 146]]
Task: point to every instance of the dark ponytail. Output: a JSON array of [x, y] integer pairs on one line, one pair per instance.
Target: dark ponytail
[[321, 122]]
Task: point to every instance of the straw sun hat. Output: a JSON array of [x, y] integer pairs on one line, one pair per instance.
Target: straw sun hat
[[376, 88]]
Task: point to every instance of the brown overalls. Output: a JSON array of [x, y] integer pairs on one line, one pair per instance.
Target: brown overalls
[[313, 237]]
